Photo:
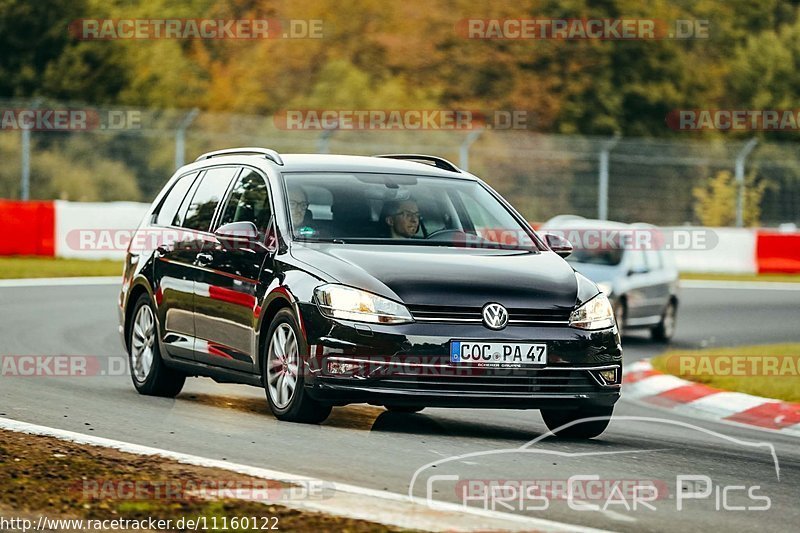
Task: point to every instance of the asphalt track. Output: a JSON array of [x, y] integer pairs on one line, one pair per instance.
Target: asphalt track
[[365, 446]]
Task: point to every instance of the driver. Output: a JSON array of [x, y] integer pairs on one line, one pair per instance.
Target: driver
[[298, 208], [402, 218]]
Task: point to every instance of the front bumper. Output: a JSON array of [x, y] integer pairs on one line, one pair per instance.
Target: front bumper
[[410, 365]]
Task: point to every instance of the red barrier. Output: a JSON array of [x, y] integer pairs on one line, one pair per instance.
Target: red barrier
[[28, 228], [778, 252]]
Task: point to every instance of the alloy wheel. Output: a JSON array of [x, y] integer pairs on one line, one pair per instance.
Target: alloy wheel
[[282, 365], [142, 343]]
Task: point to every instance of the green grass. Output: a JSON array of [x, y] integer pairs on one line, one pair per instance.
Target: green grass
[[784, 386], [793, 278], [47, 267]]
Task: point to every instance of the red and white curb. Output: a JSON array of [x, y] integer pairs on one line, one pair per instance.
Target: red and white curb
[[644, 384]]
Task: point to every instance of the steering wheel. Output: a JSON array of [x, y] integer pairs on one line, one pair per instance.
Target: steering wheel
[[445, 234]]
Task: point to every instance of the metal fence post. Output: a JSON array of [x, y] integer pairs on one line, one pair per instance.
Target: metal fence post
[[323, 141], [180, 137], [25, 170], [741, 157], [602, 186], [25, 178], [463, 151]]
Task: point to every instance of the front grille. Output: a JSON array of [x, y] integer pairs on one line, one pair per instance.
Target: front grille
[[493, 382], [440, 313]]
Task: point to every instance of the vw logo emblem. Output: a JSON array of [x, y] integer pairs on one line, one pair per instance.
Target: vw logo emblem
[[495, 316]]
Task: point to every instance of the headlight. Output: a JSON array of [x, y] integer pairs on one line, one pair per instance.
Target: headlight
[[594, 314], [338, 301], [605, 288]]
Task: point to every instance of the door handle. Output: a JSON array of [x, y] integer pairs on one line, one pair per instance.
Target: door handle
[[203, 259], [161, 251]]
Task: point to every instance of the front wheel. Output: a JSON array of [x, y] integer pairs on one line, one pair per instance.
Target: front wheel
[[555, 419], [665, 329], [282, 373], [149, 373]]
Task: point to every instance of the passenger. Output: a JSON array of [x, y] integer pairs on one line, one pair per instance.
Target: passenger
[[402, 218]]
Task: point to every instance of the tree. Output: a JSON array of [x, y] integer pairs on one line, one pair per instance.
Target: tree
[[715, 201]]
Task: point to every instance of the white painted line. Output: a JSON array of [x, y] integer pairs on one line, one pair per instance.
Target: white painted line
[[638, 366], [794, 430], [654, 385], [747, 285], [348, 500], [52, 282], [724, 404]]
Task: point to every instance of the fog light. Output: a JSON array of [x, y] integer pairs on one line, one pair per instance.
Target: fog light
[[335, 367], [609, 376]]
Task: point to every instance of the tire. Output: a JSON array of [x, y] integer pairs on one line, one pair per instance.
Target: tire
[[665, 329], [150, 375], [403, 409], [554, 419], [283, 364], [620, 310]]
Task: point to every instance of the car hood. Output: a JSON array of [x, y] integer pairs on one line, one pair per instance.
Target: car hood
[[443, 276]]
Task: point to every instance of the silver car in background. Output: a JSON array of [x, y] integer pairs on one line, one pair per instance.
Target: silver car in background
[[629, 264]]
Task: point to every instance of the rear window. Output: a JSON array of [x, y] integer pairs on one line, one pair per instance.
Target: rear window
[[166, 212], [207, 197]]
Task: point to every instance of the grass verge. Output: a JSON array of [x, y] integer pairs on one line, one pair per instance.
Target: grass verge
[[770, 371], [50, 267], [43, 476]]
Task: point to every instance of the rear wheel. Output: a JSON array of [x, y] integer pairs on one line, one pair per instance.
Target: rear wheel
[[665, 329], [149, 373], [282, 373], [403, 409], [554, 420]]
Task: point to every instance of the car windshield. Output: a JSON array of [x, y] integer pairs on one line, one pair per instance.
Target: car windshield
[[400, 209], [608, 256]]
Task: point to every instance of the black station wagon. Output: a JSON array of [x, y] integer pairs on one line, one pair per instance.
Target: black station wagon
[[395, 280]]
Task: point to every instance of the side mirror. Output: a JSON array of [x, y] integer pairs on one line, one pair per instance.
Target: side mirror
[[237, 234], [558, 244]]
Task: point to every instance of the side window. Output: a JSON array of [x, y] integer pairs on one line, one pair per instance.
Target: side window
[[249, 201], [207, 197], [653, 258], [636, 261], [169, 206]]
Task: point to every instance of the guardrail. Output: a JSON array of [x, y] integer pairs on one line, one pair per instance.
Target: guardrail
[[100, 230]]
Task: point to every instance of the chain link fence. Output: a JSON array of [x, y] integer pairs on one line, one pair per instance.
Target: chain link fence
[[128, 154]]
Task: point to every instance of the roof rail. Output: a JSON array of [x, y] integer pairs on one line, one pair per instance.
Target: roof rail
[[438, 162], [272, 155]]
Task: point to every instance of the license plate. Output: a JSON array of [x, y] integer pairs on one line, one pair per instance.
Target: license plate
[[498, 354]]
